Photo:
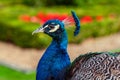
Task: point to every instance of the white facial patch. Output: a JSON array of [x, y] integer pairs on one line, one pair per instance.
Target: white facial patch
[[55, 28]]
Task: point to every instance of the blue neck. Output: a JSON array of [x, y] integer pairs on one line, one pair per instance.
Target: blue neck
[[55, 59], [60, 42]]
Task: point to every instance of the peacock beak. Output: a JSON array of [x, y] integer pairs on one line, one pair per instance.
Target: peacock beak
[[41, 29]]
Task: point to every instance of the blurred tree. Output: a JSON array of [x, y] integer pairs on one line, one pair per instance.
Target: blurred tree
[[31, 2], [94, 2], [58, 2], [81, 3], [77, 2]]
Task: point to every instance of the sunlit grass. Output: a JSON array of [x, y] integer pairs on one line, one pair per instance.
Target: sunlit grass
[[10, 74]]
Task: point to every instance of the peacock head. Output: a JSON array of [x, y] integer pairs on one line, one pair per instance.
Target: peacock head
[[55, 28], [52, 27]]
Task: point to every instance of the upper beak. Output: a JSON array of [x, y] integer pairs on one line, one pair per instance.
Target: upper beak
[[41, 29]]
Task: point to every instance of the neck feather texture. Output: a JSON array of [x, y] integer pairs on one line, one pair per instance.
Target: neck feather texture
[[55, 60]]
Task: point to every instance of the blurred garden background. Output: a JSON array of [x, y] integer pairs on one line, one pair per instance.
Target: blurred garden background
[[20, 50]]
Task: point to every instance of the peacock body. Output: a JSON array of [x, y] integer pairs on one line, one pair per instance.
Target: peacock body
[[95, 66], [55, 62]]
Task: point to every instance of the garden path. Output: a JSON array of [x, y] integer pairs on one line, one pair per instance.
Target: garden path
[[27, 59]]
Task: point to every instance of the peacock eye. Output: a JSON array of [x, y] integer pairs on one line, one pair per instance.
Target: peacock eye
[[51, 26]]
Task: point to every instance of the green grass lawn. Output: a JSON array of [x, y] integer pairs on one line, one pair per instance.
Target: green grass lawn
[[10, 74]]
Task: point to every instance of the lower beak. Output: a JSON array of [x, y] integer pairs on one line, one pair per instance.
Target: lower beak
[[41, 29]]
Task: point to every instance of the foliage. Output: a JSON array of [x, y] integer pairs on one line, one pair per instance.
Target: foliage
[[14, 30], [82, 3], [32, 2], [22, 36], [10, 74], [57, 2]]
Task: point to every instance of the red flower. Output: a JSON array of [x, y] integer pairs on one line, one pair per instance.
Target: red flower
[[99, 18], [52, 16], [63, 16], [25, 18], [34, 19], [42, 17], [86, 19], [56, 16]]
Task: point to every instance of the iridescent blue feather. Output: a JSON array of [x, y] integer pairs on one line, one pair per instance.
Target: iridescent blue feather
[[77, 23]]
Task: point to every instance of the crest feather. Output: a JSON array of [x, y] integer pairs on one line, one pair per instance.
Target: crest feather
[[68, 21], [73, 20]]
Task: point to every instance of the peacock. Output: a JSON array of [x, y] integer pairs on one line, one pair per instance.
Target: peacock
[[55, 63]]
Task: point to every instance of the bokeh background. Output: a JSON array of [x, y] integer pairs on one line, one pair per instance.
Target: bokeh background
[[20, 50]]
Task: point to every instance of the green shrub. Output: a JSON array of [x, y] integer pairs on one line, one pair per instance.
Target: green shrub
[[82, 3], [32, 2], [21, 35], [58, 2]]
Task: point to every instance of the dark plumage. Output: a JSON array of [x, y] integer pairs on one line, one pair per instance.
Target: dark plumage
[[95, 66], [55, 63]]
